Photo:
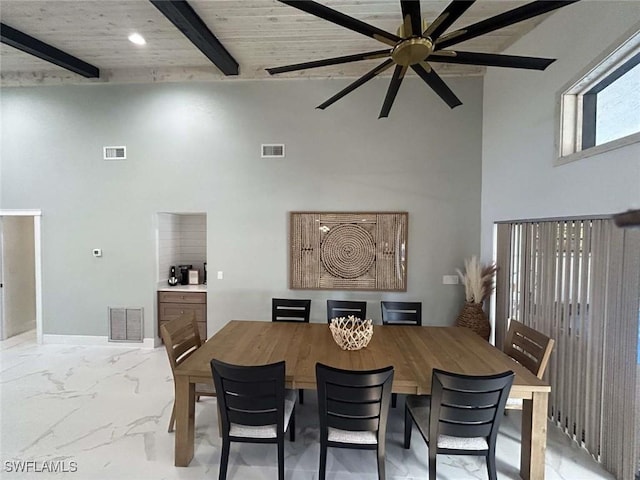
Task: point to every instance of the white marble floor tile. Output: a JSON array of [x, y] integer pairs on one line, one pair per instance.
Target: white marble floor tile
[[107, 409]]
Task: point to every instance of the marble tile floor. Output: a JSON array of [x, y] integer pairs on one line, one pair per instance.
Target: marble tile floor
[[107, 409]]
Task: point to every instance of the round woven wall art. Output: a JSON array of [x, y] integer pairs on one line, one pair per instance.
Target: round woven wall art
[[348, 251]]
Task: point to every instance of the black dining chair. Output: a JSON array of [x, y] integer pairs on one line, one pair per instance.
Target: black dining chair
[[254, 407], [344, 308], [401, 313], [353, 406], [461, 417], [290, 310]]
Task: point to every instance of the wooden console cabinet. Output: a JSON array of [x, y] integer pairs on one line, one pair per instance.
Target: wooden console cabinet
[[173, 304]]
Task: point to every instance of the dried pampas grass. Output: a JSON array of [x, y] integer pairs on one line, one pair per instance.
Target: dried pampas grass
[[478, 280]]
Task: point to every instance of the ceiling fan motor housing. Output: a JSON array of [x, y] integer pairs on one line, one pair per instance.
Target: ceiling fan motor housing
[[412, 50]]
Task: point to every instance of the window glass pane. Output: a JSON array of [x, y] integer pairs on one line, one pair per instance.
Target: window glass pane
[[618, 110]]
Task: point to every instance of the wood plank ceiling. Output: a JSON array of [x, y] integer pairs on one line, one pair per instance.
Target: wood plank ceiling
[[257, 33]]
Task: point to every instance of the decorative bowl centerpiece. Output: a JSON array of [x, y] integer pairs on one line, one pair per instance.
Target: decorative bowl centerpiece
[[351, 333]]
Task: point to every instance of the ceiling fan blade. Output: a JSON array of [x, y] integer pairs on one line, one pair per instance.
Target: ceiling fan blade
[[343, 20], [412, 24], [449, 15], [505, 19], [492, 60], [435, 82], [330, 61], [392, 91], [361, 81]]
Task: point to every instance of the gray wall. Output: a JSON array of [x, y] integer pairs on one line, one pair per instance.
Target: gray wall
[[519, 179], [196, 148]]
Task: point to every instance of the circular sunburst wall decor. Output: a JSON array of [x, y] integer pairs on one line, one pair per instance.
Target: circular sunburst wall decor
[[348, 251]]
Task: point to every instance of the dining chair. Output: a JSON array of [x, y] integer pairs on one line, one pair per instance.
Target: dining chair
[[291, 310], [181, 338], [344, 308], [401, 313], [530, 348], [353, 406], [460, 417], [254, 407]]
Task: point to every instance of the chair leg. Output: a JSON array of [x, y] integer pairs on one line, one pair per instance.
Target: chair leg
[[432, 463], [224, 459], [491, 465], [301, 396], [292, 426], [394, 400], [172, 420], [408, 424], [381, 470], [323, 461], [281, 458]]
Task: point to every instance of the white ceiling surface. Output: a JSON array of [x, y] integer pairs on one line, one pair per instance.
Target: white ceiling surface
[[257, 33]]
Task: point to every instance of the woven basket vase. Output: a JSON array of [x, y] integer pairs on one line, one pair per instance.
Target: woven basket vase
[[472, 316], [351, 333]]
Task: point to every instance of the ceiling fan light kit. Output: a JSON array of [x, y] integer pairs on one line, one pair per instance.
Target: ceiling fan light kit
[[418, 43]]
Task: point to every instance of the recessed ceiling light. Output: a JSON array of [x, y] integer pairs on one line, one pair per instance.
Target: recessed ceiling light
[[137, 39]]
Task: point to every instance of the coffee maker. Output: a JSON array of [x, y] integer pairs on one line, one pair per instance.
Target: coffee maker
[[184, 274]]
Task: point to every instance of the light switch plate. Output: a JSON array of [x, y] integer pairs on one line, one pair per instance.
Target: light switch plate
[[220, 275]]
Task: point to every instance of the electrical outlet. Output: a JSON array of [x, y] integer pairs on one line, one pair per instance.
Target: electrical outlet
[[450, 280]]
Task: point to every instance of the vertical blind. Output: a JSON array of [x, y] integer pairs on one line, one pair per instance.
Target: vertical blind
[[578, 281]]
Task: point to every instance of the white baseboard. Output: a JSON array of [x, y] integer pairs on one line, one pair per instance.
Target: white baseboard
[[97, 340]]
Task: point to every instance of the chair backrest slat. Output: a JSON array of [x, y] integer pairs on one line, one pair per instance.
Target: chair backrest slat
[[354, 393], [527, 346], [401, 313], [345, 308], [290, 310]]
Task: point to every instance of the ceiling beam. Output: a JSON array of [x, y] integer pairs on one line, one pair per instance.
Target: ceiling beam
[[180, 13], [35, 47]]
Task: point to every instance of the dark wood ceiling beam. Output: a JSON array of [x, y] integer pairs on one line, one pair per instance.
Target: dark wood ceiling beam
[[37, 48], [180, 13]]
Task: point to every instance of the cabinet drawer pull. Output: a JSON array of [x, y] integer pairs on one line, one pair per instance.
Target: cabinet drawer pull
[[181, 311]]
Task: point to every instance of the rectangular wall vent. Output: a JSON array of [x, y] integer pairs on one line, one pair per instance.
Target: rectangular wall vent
[[125, 324], [273, 150], [115, 153]]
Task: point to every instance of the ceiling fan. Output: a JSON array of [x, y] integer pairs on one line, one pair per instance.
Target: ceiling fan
[[416, 46]]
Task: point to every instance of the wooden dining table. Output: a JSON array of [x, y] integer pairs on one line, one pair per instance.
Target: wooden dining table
[[413, 351]]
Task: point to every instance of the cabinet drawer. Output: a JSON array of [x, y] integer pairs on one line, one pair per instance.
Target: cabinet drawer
[[202, 329], [171, 311], [182, 297]]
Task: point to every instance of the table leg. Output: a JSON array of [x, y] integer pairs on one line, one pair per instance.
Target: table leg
[[534, 436], [185, 421]]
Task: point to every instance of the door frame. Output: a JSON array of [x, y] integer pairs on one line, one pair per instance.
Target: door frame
[[37, 240]]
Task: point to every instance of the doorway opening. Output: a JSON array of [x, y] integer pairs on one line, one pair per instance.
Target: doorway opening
[[20, 273]]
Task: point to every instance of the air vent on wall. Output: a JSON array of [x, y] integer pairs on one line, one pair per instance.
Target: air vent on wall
[[115, 153], [273, 150], [125, 324]]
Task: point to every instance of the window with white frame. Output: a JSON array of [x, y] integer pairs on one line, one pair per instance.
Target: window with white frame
[[600, 110]]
